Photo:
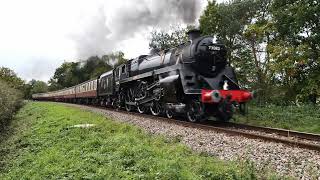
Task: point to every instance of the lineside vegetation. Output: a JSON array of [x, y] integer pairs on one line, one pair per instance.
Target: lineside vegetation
[[305, 118], [10, 102]]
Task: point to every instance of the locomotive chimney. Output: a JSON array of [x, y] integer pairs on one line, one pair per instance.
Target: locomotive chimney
[[193, 34]]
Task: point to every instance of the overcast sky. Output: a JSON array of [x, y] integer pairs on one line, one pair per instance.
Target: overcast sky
[[36, 36]]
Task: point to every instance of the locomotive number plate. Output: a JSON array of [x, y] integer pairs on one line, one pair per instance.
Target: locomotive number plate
[[214, 48]]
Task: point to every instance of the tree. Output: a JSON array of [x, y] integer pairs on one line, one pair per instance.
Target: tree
[[11, 78], [68, 74], [228, 22], [38, 87], [162, 40], [33, 87], [72, 73], [297, 45], [273, 44], [53, 85]]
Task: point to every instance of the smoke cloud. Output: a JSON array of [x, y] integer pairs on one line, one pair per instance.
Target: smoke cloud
[[136, 16]]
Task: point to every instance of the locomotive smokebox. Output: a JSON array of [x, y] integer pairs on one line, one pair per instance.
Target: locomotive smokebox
[[193, 34]]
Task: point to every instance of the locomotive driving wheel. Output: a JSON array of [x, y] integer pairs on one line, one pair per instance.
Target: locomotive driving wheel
[[102, 103], [142, 109], [195, 111], [128, 107], [141, 93], [155, 108], [128, 99], [116, 103]]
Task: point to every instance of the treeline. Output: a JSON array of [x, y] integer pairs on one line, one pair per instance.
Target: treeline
[[72, 73], [274, 45], [68, 74]]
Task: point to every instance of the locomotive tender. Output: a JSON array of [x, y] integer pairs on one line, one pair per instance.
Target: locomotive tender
[[193, 79]]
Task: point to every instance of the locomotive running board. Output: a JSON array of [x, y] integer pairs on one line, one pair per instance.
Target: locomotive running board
[[144, 101], [151, 73]]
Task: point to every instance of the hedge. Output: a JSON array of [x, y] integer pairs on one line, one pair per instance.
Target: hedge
[[10, 102]]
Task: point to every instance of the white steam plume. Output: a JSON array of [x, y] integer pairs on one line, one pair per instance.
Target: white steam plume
[[133, 17]]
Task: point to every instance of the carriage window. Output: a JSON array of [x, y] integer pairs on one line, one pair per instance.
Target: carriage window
[[104, 84]]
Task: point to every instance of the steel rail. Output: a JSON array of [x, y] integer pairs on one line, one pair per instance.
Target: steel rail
[[279, 131]]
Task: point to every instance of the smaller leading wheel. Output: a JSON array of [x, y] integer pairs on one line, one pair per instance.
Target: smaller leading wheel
[[169, 113], [225, 110]]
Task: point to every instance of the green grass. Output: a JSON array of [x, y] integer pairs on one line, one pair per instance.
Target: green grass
[[304, 118], [42, 145]]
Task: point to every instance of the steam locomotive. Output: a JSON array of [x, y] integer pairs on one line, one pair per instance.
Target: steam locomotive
[[193, 79]]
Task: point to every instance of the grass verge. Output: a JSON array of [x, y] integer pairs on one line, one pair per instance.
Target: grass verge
[[43, 145], [304, 118]]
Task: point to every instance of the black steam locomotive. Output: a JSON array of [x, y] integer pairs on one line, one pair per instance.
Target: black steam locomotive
[[192, 79]]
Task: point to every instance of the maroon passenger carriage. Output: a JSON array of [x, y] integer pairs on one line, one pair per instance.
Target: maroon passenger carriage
[[86, 92]]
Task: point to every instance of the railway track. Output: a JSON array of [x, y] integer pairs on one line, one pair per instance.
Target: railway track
[[278, 131], [288, 137]]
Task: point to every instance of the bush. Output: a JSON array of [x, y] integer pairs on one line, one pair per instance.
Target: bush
[[10, 102]]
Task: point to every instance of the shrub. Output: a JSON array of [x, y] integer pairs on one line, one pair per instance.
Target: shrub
[[10, 102]]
